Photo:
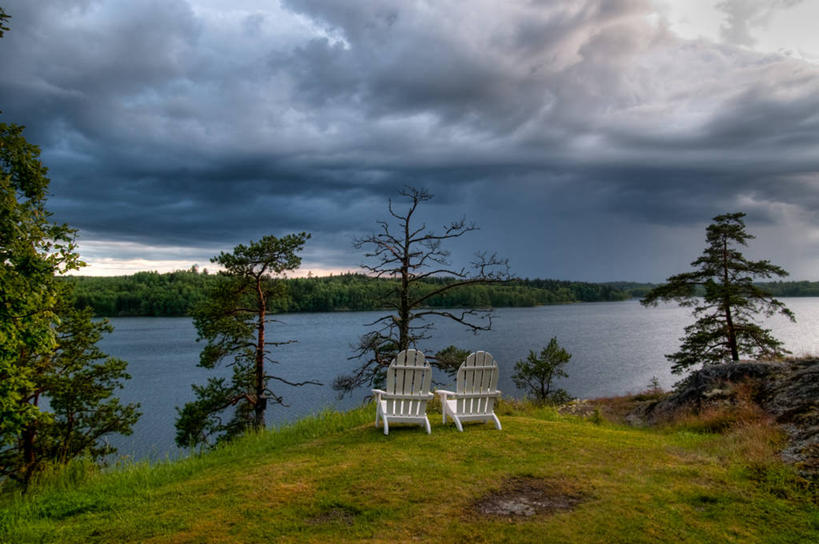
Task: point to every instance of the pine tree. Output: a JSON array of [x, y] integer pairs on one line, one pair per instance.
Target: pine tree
[[724, 299], [536, 373], [233, 320]]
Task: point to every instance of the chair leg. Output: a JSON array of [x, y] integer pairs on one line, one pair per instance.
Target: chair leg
[[377, 413], [386, 426], [457, 423], [426, 424], [497, 421]]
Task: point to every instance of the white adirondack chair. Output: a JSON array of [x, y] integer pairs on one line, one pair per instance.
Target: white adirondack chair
[[407, 393], [476, 391]]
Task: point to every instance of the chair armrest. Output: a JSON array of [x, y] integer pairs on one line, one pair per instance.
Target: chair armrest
[[443, 393], [402, 396], [495, 393]]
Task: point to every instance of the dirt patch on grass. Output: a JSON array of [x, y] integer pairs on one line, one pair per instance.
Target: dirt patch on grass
[[526, 496], [336, 513]]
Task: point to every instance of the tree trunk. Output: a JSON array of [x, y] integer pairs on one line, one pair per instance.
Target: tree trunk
[[726, 303], [28, 438], [404, 309], [546, 386], [69, 428], [29, 456], [261, 401]]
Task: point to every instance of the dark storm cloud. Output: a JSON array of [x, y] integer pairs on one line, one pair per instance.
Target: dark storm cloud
[[173, 123]]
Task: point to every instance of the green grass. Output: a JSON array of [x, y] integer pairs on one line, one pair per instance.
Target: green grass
[[335, 478]]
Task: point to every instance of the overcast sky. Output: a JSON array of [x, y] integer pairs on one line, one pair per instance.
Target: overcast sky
[[589, 140]]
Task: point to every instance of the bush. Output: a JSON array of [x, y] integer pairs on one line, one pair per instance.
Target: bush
[[535, 374]]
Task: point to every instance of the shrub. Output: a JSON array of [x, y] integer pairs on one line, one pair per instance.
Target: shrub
[[536, 373]]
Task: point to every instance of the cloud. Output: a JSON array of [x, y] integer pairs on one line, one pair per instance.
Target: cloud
[[744, 15], [190, 124]]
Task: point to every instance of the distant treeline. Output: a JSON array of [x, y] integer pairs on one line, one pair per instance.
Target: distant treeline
[[175, 293], [775, 288], [792, 288]]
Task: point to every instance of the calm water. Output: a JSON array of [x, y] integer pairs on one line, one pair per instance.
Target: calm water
[[616, 348]]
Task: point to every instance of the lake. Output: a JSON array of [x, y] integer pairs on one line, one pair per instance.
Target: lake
[[616, 347]]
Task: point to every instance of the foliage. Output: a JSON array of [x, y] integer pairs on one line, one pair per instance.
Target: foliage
[[55, 399], [536, 373], [335, 478], [144, 293], [774, 288], [172, 294], [791, 288], [4, 17], [409, 254], [32, 251], [56, 385], [177, 293], [233, 321], [450, 358], [725, 327], [77, 381]]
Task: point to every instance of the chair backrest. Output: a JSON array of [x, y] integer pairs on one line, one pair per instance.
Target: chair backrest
[[478, 374], [409, 374]]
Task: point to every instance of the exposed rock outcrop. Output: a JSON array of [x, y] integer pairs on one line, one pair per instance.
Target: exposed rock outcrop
[[789, 391], [793, 399]]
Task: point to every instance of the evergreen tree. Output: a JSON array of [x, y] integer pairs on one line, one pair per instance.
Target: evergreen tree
[[47, 349], [33, 250], [535, 374], [77, 382], [233, 321], [724, 299]]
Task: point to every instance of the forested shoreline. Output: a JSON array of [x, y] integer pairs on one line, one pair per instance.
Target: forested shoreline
[[176, 293]]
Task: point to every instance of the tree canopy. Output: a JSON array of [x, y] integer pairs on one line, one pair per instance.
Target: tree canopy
[[724, 299]]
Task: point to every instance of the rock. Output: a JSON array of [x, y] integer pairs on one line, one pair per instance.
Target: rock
[[635, 420], [578, 407], [788, 390], [793, 399]]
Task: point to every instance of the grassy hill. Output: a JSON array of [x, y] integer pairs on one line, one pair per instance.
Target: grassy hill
[[334, 478]]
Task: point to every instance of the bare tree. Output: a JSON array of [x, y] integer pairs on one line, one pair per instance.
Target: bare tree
[[414, 257]]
